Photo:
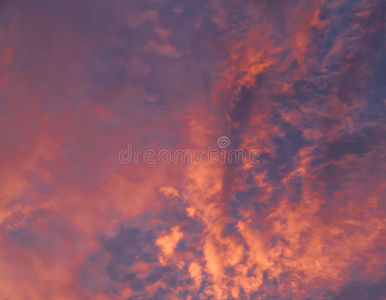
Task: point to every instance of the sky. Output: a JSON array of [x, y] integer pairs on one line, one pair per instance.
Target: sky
[[301, 84]]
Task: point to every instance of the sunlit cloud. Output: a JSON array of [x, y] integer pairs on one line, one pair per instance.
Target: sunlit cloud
[[285, 98]]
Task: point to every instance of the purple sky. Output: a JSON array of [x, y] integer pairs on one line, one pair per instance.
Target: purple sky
[[300, 82]]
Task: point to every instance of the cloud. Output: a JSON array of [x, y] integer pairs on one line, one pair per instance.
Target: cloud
[[300, 81]]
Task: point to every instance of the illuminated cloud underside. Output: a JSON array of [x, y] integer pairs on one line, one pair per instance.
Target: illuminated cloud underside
[[302, 81]]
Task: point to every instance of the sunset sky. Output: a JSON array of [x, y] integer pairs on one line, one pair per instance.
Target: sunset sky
[[300, 82]]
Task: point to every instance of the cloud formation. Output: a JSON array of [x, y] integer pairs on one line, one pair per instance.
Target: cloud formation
[[302, 81]]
